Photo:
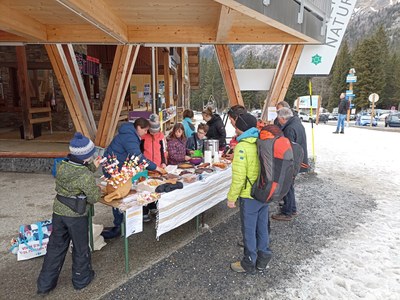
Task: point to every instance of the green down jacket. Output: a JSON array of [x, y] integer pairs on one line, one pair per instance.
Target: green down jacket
[[245, 164], [73, 179]]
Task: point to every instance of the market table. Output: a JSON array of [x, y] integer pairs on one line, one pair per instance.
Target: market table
[[177, 207]]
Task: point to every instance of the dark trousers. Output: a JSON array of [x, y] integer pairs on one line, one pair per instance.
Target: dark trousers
[[289, 202], [254, 219], [66, 229]]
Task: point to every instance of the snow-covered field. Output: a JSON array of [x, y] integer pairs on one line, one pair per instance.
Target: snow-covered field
[[365, 263]]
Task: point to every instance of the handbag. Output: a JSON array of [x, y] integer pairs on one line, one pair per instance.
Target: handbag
[[33, 239]]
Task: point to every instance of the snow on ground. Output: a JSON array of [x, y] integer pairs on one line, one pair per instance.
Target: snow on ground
[[366, 262]]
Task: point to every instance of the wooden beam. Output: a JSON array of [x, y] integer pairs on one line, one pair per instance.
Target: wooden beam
[[82, 101], [166, 79], [124, 61], [247, 11], [33, 154], [68, 87], [77, 34], [286, 66], [122, 90], [225, 21], [292, 64], [82, 33], [31, 65], [99, 14], [14, 22], [23, 88], [9, 37], [171, 34], [228, 74]]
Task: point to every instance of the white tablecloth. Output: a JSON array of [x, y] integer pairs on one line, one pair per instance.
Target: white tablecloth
[[177, 207]]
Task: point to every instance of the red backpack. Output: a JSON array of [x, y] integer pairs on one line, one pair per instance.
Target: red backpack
[[277, 165]]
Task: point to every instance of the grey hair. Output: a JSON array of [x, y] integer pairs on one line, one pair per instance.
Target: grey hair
[[283, 104], [285, 113]]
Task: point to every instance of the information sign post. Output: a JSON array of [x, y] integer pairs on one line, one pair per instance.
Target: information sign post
[[350, 79], [373, 98]]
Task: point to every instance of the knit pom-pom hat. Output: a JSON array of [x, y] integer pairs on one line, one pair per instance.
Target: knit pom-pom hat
[[81, 147], [154, 123]]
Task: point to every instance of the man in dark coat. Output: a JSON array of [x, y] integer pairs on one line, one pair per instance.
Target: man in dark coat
[[342, 111], [294, 130]]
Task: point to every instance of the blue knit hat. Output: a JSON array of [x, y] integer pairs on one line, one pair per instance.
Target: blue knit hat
[[81, 147]]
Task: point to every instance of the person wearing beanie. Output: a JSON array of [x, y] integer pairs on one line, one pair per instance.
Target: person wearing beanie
[[127, 143], [153, 146], [70, 222], [253, 213]]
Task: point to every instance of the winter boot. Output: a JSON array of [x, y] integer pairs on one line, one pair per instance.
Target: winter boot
[[262, 261]]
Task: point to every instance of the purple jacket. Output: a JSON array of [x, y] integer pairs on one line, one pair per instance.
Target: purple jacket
[[176, 151]]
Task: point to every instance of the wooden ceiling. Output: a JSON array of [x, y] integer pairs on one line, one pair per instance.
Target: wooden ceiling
[[140, 21]]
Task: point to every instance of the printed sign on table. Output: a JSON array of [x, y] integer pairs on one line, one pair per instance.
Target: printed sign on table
[[134, 220]]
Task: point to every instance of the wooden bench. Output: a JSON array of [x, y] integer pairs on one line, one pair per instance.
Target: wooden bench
[[44, 116]]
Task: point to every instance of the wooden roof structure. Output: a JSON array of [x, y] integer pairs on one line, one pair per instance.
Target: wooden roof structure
[[131, 24], [152, 21]]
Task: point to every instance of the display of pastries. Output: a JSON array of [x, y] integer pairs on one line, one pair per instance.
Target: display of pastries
[[185, 166], [204, 165], [153, 183], [219, 165]]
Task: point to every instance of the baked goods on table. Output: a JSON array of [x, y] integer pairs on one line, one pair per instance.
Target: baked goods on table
[[220, 165], [154, 174], [203, 165], [184, 172], [202, 170], [189, 178], [185, 166], [146, 197]]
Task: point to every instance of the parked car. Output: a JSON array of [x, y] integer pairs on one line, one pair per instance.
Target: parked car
[[256, 113], [392, 120], [304, 117], [333, 116], [365, 120], [323, 118]]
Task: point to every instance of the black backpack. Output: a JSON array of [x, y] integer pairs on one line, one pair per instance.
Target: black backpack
[[277, 167]]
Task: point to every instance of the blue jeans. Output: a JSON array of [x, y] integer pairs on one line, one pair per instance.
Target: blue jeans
[[254, 219], [340, 122], [289, 202]]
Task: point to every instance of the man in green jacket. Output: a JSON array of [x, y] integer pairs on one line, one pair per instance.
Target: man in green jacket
[[253, 214], [76, 188]]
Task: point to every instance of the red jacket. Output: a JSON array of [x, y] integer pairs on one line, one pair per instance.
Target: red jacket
[[153, 147]]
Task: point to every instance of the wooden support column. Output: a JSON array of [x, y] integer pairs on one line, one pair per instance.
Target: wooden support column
[[289, 58], [83, 100], [180, 80], [121, 72], [166, 78], [23, 89], [228, 74], [66, 70]]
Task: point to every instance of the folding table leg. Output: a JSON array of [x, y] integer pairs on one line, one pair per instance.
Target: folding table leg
[[126, 245]]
